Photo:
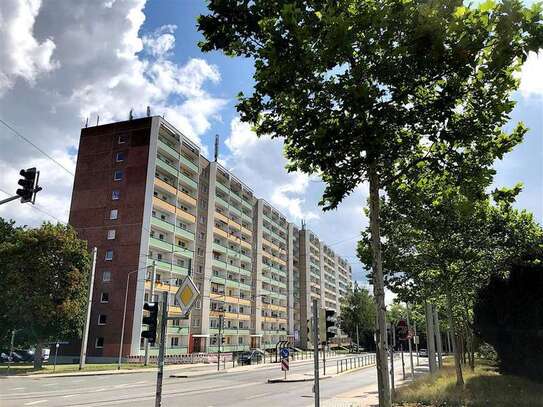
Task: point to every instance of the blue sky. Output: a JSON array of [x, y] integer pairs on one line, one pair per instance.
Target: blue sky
[[67, 67]]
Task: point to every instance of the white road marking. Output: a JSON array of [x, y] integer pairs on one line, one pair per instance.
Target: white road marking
[[18, 388], [257, 395], [68, 395], [49, 384], [32, 403], [77, 381]]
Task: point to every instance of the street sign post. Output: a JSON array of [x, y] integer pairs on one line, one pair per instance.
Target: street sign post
[[284, 353], [403, 330], [284, 365], [186, 295]]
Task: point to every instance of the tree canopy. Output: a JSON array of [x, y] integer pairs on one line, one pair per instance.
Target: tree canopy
[[358, 309], [44, 275]]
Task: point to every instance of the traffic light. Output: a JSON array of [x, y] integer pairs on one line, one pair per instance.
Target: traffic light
[[330, 324], [151, 321], [29, 184]]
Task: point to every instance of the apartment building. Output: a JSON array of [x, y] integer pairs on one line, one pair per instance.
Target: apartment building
[[152, 204]]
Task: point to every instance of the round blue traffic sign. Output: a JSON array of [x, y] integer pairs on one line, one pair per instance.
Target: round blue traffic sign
[[284, 353]]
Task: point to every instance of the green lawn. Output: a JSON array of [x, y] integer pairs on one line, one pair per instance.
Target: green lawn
[[26, 368], [484, 387]]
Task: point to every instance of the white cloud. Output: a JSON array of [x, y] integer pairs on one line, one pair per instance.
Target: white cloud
[[531, 75], [260, 163], [62, 62], [21, 55]]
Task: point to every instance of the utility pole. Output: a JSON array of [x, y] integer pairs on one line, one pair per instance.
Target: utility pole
[[416, 343], [161, 350], [357, 340], [439, 345], [409, 341], [392, 343], [83, 354], [152, 294], [316, 389], [11, 348], [219, 342], [430, 338]]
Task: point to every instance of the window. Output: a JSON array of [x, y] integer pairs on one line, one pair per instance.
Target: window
[[200, 270], [202, 220], [174, 342], [122, 139], [240, 340], [176, 322], [195, 322], [115, 195], [119, 157], [109, 254], [201, 235], [181, 243], [161, 236], [102, 319], [113, 214], [200, 251], [111, 234], [117, 175], [159, 256], [104, 298], [106, 276], [99, 342]]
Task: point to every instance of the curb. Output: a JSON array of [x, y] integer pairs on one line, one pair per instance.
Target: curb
[[356, 369], [302, 379]]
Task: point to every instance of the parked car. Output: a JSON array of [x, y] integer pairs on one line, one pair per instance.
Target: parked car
[[423, 352], [250, 357]]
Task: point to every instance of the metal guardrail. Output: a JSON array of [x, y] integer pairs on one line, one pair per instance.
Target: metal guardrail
[[344, 365]]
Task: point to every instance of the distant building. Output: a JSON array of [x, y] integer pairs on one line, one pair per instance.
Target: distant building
[[143, 195]]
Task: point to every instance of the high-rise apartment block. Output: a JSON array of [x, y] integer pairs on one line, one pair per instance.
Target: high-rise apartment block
[[147, 199]]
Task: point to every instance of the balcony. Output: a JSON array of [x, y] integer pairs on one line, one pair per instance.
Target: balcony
[[170, 227], [165, 266], [169, 247]]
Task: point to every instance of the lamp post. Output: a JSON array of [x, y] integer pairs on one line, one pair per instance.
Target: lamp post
[[124, 318]]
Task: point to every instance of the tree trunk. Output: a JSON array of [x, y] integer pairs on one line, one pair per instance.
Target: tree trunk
[[430, 338], [439, 345], [38, 359], [383, 383], [456, 351]]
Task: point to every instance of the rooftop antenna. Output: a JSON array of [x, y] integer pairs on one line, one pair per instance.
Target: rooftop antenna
[[303, 224], [130, 115], [97, 119], [216, 147], [87, 122], [148, 111]]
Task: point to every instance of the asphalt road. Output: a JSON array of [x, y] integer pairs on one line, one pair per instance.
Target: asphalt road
[[242, 388]]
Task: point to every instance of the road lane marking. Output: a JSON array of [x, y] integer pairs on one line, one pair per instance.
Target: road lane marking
[[68, 395], [32, 403], [18, 388], [257, 395]]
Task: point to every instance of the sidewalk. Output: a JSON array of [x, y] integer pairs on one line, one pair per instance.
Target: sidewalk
[[368, 396], [189, 370]]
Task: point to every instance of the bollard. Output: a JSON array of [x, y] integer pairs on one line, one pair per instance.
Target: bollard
[[337, 367]]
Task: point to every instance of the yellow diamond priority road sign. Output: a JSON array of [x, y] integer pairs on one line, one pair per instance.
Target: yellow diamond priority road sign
[[186, 295]]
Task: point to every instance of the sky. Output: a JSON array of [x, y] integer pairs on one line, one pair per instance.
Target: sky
[[62, 62]]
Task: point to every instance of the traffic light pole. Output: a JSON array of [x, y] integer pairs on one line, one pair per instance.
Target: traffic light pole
[[316, 351], [324, 358], [161, 351], [13, 198], [83, 354], [152, 294]]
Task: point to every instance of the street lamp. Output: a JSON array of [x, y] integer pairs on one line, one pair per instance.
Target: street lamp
[[124, 317]]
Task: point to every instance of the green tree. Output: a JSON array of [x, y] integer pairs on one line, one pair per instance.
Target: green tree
[[364, 90], [443, 245], [43, 281], [508, 315], [358, 310]]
